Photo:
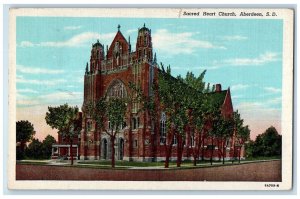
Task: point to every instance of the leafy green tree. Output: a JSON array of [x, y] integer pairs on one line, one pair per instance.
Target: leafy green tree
[[47, 146], [116, 110], [242, 134], [24, 133], [66, 120], [268, 144], [224, 132], [97, 111], [35, 150], [172, 103], [141, 102]]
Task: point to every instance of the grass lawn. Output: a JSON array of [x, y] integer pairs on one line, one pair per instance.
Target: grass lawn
[[104, 164]]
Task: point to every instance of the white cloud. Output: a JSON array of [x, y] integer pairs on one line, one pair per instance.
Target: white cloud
[[26, 90], [131, 31], [239, 87], [35, 70], [40, 82], [76, 41], [262, 59], [60, 97], [72, 27], [179, 43], [274, 101], [272, 89], [234, 38], [26, 44]]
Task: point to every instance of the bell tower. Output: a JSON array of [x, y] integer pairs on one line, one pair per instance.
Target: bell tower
[[144, 44], [97, 55]]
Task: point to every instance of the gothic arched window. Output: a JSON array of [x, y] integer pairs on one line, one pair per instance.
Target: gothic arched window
[[116, 89], [163, 119]]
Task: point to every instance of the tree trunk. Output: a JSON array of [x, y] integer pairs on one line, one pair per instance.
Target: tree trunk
[[240, 154], [212, 150], [112, 141], [100, 144], [179, 150], [144, 133], [130, 147], [22, 146], [169, 149], [178, 161], [233, 155], [202, 151], [95, 142], [71, 151], [224, 152]]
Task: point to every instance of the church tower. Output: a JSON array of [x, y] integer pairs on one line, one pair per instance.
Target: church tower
[[144, 44], [97, 55]]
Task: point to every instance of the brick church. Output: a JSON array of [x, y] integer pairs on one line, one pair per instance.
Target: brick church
[[108, 73]]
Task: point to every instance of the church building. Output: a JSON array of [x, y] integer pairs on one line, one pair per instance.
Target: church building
[[108, 73]]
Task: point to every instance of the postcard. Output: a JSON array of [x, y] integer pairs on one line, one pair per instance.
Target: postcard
[[150, 98]]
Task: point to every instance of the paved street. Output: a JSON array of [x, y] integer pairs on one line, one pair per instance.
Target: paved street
[[258, 171]]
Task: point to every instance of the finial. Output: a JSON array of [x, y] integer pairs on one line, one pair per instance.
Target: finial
[[119, 27], [129, 39], [155, 57], [144, 25], [98, 41]]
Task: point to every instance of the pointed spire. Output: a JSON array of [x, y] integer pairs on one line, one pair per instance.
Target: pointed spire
[[144, 25], [155, 58], [119, 27], [129, 45], [87, 68]]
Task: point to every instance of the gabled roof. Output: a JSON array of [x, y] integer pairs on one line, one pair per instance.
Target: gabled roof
[[120, 38]]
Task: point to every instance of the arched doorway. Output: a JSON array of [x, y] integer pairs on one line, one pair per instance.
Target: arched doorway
[[104, 149], [121, 148]]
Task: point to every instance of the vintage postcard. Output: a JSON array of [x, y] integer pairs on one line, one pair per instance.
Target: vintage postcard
[[151, 99]]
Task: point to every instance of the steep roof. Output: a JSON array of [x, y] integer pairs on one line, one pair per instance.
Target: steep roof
[[218, 98], [123, 42]]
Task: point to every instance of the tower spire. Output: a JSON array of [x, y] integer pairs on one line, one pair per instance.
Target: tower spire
[[87, 68], [129, 45], [155, 58]]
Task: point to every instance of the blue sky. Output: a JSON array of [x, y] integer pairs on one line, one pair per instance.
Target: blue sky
[[243, 54]]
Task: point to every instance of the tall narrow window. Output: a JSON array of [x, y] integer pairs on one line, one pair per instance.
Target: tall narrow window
[[163, 128], [174, 140], [192, 140], [145, 40], [134, 123]]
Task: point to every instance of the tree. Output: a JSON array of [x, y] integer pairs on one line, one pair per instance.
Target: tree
[[173, 106], [97, 111], [24, 133], [242, 134], [268, 144], [116, 109], [35, 150], [224, 132], [66, 120], [47, 146]]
